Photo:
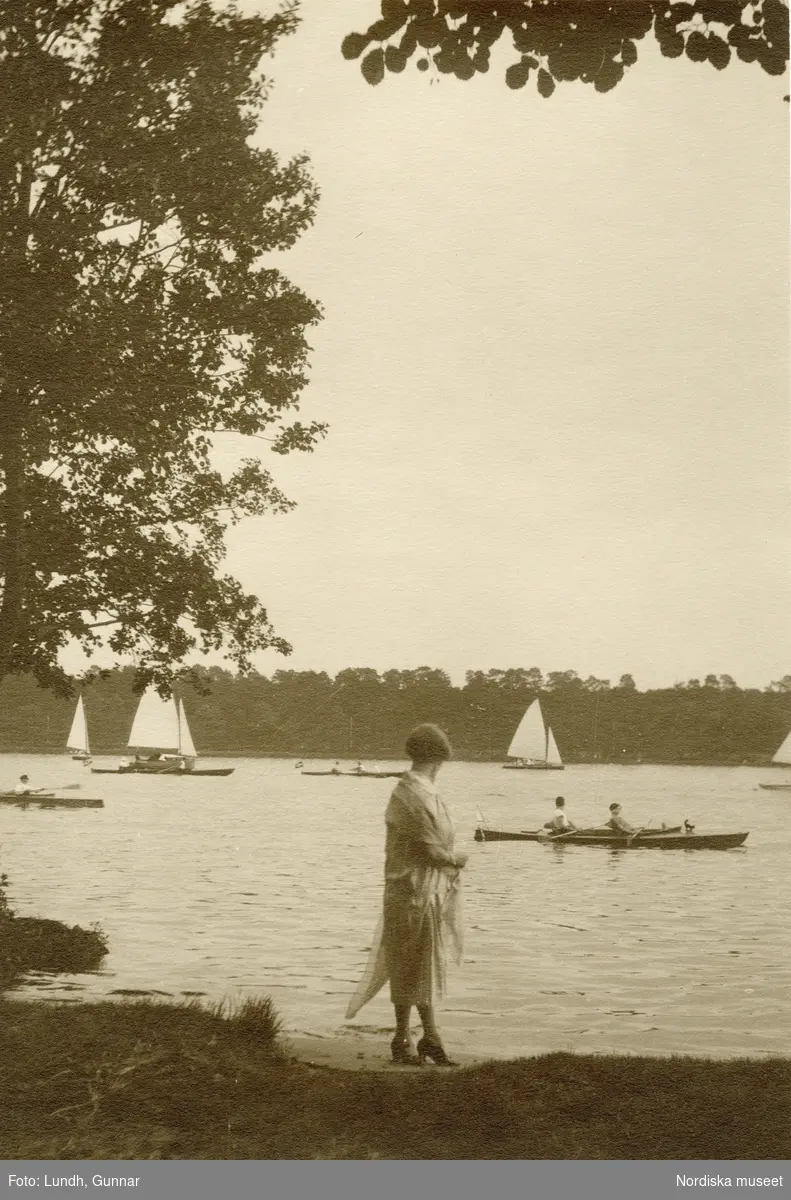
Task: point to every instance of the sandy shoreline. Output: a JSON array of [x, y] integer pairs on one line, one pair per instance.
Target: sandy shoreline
[[355, 1051]]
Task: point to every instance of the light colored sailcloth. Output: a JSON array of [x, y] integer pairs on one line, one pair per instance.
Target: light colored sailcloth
[[156, 724], [186, 744], [553, 754], [783, 754], [78, 734], [530, 739]]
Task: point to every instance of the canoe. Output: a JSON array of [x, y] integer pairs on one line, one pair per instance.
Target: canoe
[[775, 787], [659, 840], [359, 774], [540, 835], [47, 800], [171, 772]]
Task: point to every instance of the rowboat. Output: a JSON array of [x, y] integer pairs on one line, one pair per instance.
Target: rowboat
[[49, 800], [359, 774], [775, 787], [653, 839], [160, 728], [533, 745], [482, 834]]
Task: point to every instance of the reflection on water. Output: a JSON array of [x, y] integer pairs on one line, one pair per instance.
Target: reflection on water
[[269, 882]]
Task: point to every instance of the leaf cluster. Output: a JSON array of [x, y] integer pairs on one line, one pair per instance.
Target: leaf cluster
[[567, 40]]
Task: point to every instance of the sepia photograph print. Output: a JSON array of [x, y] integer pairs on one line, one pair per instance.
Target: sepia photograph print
[[395, 577]]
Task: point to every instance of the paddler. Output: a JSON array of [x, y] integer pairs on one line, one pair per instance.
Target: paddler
[[560, 822], [618, 823], [23, 788]]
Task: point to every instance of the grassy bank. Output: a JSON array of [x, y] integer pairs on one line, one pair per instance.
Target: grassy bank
[[142, 1080], [38, 944]]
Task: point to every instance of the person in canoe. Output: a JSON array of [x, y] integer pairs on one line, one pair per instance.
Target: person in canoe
[[23, 788], [618, 823], [560, 822], [420, 927]]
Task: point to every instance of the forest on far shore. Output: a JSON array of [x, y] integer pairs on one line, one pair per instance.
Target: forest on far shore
[[364, 714]]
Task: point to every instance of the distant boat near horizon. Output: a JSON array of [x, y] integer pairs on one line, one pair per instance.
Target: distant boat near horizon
[[533, 745], [160, 728], [77, 741], [780, 758]]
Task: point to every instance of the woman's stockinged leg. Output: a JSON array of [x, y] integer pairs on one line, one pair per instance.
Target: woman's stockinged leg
[[429, 1022], [403, 1014], [401, 1046]]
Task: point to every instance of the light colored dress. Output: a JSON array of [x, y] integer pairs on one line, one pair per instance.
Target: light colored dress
[[421, 924]]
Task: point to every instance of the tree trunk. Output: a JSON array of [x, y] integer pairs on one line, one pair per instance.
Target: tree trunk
[[12, 548]]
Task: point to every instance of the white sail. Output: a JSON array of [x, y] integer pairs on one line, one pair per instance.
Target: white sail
[[186, 744], [78, 735], [553, 754], [783, 754], [156, 724], [530, 739]]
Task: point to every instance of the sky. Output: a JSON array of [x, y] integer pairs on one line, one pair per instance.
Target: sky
[[554, 362]]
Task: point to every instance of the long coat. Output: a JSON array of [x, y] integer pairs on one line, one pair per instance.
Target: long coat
[[421, 924]]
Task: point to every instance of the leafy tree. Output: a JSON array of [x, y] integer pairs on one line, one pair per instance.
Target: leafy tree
[[780, 685], [557, 680], [139, 315], [563, 40]]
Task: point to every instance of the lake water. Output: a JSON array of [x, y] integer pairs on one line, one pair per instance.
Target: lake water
[[269, 883]]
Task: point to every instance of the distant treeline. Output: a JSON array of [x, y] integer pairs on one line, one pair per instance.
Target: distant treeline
[[362, 714]]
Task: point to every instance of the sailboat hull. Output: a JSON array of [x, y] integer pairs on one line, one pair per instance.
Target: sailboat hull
[[165, 769], [536, 766]]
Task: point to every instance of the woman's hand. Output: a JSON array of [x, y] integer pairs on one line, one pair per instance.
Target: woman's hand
[[461, 861]]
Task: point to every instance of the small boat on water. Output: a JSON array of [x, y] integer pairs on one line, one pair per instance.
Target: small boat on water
[[780, 758], [651, 839], [533, 745], [484, 834], [77, 741], [358, 774], [48, 800], [160, 729]]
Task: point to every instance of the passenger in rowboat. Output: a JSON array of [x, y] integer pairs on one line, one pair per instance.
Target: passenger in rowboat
[[618, 823], [23, 788], [560, 822]]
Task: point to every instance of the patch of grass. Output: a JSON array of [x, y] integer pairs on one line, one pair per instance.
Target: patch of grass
[[151, 1080], [38, 944]]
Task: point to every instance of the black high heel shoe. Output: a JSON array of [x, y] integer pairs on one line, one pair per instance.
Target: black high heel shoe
[[426, 1048], [403, 1053]]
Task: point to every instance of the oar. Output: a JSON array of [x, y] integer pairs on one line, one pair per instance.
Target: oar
[[562, 837], [53, 787], [637, 832]]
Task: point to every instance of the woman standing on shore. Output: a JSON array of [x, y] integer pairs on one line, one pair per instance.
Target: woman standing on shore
[[421, 925]]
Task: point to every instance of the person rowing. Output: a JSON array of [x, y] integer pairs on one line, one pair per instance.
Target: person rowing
[[560, 823], [23, 788], [618, 823]]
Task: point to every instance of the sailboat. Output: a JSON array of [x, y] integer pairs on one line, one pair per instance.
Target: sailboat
[[780, 758], [77, 740], [533, 746], [160, 729]]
